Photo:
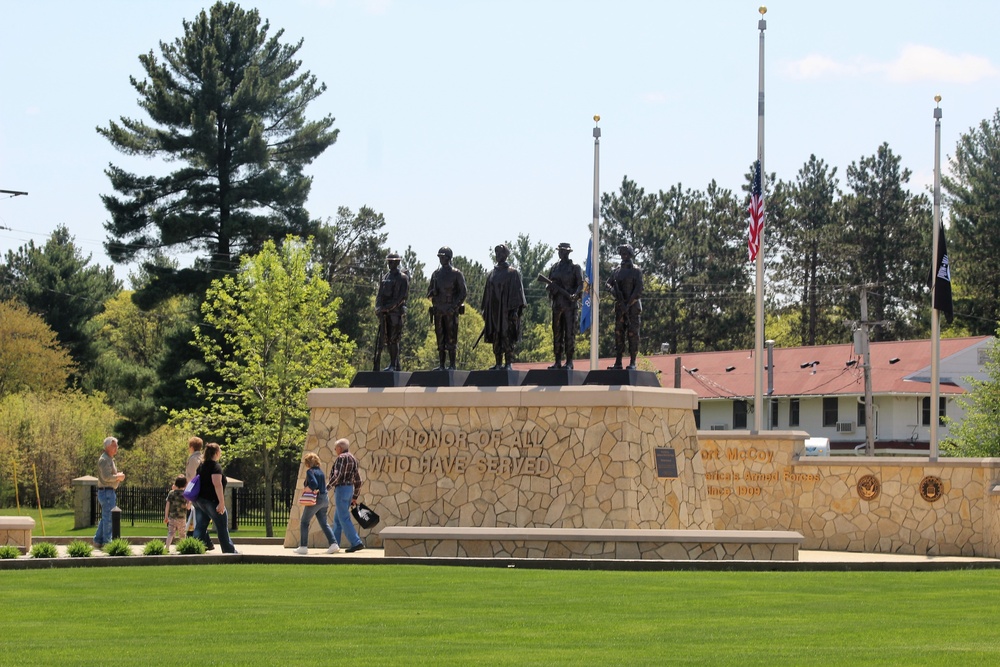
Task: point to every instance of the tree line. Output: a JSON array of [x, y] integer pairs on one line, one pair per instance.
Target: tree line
[[276, 301]]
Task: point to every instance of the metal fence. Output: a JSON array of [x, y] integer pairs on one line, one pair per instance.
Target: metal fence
[[146, 505]]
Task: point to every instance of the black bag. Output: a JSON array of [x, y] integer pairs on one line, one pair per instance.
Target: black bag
[[364, 515]]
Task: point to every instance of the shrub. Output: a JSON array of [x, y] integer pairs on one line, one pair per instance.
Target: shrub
[[119, 547], [9, 551], [190, 545], [44, 550], [154, 548], [79, 549]]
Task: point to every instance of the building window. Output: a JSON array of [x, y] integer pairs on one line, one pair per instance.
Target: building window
[[862, 414], [925, 410], [774, 413], [739, 414], [697, 416], [793, 412], [830, 407]]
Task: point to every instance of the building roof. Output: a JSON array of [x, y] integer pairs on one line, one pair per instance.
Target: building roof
[[898, 368]]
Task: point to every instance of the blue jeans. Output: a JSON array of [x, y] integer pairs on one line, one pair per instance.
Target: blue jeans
[[342, 516], [319, 511], [108, 500], [204, 512]]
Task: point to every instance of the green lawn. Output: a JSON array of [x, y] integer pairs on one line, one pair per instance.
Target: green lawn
[[59, 523], [391, 615]]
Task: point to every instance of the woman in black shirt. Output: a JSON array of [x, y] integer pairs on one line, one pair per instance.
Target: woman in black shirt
[[211, 501]]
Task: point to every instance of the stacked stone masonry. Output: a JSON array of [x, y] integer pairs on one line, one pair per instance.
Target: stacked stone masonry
[[559, 457], [591, 544], [766, 482]]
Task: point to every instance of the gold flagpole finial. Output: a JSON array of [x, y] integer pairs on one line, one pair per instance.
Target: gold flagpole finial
[[937, 98], [597, 119], [762, 9]]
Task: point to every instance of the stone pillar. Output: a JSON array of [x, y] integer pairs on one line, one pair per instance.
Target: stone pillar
[[84, 511], [231, 508]]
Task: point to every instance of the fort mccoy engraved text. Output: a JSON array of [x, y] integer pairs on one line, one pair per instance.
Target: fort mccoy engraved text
[[731, 478]]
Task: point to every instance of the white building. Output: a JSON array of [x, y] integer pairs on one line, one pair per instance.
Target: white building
[[821, 389]]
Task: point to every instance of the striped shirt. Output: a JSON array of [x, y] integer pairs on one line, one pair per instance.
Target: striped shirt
[[345, 472]]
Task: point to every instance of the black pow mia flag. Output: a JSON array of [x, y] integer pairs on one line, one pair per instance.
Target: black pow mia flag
[[941, 281]]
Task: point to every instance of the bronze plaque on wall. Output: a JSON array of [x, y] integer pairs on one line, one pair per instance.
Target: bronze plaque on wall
[[666, 462], [869, 487], [931, 488]]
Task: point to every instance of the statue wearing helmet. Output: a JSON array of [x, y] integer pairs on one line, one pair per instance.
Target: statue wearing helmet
[[447, 293]]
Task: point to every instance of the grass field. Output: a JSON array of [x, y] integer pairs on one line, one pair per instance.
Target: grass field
[[392, 615], [59, 523]]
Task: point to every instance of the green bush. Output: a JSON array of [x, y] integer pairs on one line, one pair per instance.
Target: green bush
[[79, 549], [9, 551], [154, 548], [190, 545], [119, 547], [44, 550]]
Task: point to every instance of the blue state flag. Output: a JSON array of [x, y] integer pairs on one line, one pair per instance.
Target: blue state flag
[[588, 292]]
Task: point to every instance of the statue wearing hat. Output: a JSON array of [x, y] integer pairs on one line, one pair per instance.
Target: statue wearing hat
[[625, 284], [502, 307], [565, 286], [390, 309], [447, 293]]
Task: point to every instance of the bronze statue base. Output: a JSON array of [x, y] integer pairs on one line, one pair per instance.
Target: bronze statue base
[[445, 377], [623, 377], [495, 378], [555, 377], [370, 379]]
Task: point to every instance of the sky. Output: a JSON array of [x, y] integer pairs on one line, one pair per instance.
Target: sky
[[469, 122]]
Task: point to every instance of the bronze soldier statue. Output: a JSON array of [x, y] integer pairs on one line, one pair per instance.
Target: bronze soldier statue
[[565, 285], [390, 309], [447, 293], [502, 307], [625, 284]]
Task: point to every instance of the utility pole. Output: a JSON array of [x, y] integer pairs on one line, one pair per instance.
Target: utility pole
[[866, 365]]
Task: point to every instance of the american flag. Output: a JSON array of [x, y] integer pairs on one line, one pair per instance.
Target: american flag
[[756, 213]]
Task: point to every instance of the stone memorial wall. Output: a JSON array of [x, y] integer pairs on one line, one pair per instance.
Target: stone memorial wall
[[852, 503], [553, 457]]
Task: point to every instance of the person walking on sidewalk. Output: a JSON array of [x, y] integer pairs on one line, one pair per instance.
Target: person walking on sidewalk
[[345, 480], [211, 501], [315, 481]]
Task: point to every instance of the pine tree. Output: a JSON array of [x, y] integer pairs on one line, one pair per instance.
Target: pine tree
[[973, 197], [227, 102]]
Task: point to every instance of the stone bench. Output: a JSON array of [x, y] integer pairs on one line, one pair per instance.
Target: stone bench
[[593, 543], [16, 531]]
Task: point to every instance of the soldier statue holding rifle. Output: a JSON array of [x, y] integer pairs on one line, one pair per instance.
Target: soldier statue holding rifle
[[447, 293], [625, 284], [390, 309], [565, 286]]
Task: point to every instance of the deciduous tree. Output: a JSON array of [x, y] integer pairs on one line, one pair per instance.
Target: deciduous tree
[[278, 341], [58, 283], [31, 358]]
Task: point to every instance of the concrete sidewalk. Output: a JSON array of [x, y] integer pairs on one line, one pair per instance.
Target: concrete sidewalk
[[272, 551]]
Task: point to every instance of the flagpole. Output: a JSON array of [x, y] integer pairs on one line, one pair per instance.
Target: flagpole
[[758, 364], [935, 315], [596, 250]]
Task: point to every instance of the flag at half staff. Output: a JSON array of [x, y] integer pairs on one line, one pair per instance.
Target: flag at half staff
[[588, 293], [941, 300], [756, 213]]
